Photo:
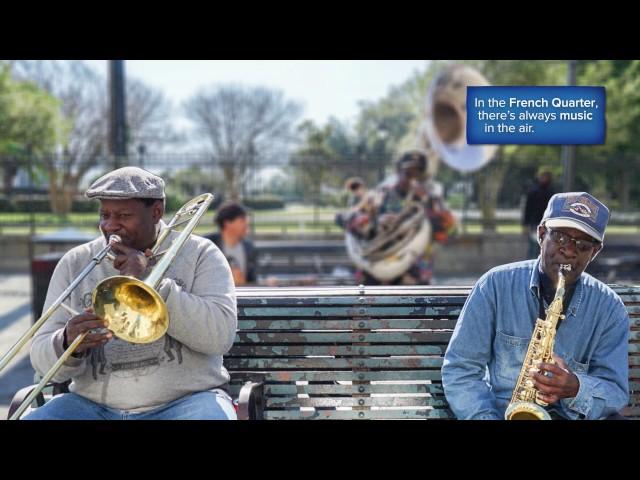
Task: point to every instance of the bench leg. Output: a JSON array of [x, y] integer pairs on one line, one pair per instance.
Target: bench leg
[[251, 401]]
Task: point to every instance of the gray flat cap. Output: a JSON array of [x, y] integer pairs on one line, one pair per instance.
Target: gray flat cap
[[127, 182]]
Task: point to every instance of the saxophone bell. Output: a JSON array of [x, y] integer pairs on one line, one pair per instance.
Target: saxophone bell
[[526, 411]]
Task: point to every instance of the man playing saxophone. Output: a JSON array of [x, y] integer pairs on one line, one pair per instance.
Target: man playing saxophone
[[588, 378]]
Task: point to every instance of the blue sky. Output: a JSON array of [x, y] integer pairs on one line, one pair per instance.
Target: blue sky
[[324, 87]]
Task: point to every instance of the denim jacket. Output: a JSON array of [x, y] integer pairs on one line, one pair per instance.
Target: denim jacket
[[490, 340]]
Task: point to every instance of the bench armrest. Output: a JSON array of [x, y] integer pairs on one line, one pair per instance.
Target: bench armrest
[[20, 397], [251, 401]]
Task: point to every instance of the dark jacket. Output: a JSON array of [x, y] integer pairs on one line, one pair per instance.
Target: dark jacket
[[537, 200], [249, 251]]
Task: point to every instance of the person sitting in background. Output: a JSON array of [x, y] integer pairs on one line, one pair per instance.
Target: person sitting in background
[[356, 188], [233, 225]]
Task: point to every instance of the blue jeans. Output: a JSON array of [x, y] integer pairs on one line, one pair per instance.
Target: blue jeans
[[196, 406]]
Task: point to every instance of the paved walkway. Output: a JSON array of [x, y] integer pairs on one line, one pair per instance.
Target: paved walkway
[[15, 319]]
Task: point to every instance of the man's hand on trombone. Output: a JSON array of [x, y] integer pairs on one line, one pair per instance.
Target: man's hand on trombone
[[84, 322], [130, 261]]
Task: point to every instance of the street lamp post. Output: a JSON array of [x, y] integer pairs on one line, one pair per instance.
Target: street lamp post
[[117, 112], [569, 151]]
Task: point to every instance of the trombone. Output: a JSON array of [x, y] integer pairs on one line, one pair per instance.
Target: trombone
[[133, 309]]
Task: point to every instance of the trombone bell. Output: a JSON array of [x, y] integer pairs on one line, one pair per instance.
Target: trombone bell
[[134, 311]]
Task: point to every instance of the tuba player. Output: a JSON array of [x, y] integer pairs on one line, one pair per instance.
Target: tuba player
[[378, 214]]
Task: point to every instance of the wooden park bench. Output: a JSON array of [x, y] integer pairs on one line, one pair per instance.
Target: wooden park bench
[[358, 352]]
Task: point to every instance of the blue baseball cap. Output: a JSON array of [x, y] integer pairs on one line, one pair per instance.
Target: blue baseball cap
[[578, 210]]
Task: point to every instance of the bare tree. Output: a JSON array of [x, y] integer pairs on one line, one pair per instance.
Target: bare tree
[[242, 125], [84, 103], [148, 116]]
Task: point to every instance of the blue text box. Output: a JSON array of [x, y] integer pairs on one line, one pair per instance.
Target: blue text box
[[536, 115]]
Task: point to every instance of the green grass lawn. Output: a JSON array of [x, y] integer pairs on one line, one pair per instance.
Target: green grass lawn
[[307, 229]]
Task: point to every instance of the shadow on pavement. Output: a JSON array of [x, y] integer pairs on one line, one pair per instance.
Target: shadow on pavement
[[17, 375]]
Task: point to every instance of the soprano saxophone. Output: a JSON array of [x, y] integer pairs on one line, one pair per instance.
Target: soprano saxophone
[[525, 402]]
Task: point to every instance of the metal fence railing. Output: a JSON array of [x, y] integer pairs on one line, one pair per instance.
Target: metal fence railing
[[284, 195], [286, 223]]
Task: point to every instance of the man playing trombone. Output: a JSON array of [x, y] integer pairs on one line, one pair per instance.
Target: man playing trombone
[[178, 376]]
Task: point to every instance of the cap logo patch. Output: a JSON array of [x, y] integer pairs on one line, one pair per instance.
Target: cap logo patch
[[582, 207]]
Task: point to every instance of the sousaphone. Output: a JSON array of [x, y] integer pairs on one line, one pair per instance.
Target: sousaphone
[[442, 135]]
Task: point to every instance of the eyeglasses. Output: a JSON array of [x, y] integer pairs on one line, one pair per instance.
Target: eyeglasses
[[563, 240]]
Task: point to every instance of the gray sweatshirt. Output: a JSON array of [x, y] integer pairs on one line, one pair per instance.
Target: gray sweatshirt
[[200, 296]]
